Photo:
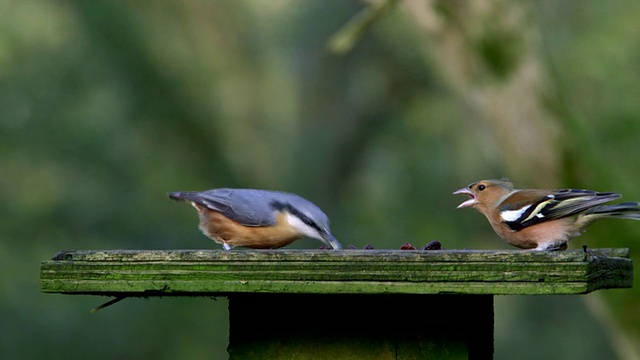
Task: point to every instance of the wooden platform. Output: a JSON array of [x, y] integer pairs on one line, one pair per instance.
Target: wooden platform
[[351, 304], [210, 272]]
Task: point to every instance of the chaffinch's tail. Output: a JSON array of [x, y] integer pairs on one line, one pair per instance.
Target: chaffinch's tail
[[627, 210]]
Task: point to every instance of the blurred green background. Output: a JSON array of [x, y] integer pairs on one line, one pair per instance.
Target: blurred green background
[[105, 106]]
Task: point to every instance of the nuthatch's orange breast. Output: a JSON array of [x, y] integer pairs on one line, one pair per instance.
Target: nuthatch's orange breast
[[224, 230]]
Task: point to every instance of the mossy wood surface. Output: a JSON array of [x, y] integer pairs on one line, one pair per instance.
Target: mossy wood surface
[[218, 272]]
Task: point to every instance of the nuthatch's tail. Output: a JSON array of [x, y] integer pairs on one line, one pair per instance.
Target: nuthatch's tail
[[627, 210], [185, 196]]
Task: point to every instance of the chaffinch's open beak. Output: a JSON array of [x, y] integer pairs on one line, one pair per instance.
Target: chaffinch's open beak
[[468, 203]]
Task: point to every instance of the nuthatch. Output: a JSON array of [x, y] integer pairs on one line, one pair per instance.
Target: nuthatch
[[258, 219]]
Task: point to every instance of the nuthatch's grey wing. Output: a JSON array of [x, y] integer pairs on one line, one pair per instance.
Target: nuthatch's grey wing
[[248, 207]]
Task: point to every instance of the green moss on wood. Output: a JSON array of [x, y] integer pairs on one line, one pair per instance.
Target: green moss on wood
[[201, 272]]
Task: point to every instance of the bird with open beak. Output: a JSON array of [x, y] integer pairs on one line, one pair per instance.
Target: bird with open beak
[[542, 219]]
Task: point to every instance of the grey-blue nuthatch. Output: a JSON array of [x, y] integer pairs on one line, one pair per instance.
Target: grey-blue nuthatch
[[259, 219]]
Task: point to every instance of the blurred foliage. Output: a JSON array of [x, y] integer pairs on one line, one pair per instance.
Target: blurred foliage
[[105, 106]]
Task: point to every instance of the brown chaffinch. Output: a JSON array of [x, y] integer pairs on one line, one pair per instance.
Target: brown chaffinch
[[542, 219]]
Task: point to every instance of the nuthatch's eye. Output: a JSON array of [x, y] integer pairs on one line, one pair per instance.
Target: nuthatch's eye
[[277, 205], [306, 220], [481, 187]]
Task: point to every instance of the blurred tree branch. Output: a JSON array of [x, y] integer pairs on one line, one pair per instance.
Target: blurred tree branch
[[488, 54], [346, 37]]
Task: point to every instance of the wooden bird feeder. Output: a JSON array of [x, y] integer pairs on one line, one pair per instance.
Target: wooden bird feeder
[[351, 304]]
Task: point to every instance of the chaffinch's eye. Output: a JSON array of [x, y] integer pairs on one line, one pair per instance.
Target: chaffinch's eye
[[481, 187]]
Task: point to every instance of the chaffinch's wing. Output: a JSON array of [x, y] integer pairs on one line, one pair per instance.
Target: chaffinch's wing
[[530, 207]]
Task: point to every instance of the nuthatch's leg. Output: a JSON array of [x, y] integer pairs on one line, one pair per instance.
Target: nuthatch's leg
[[226, 246]]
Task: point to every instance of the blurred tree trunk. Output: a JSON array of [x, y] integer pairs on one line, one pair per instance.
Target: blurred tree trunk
[[488, 54]]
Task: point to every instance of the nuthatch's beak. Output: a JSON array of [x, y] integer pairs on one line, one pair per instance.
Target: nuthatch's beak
[[468, 203], [328, 239]]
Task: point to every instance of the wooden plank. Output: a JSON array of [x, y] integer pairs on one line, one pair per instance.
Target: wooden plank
[[213, 272], [345, 256]]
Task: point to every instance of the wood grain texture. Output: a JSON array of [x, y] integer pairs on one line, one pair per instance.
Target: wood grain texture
[[213, 272]]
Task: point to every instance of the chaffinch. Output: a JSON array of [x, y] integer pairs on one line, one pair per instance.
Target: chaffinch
[[542, 219]]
